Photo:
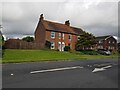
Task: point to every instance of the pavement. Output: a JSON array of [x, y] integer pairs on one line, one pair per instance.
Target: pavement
[[100, 73]]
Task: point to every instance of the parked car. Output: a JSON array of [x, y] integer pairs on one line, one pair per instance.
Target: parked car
[[104, 52]]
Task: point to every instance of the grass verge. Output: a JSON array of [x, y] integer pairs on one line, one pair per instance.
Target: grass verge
[[16, 56]]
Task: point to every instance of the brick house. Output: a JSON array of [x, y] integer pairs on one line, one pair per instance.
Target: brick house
[[60, 35], [106, 42]]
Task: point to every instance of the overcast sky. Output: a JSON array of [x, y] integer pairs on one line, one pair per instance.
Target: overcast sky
[[98, 17]]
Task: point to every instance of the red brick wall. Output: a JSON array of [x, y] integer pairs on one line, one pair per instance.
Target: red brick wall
[[65, 40], [55, 40], [40, 35], [111, 44], [106, 44], [74, 41]]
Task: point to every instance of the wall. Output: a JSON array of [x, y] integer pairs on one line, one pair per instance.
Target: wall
[[107, 45], [111, 45], [20, 44], [72, 42], [40, 35]]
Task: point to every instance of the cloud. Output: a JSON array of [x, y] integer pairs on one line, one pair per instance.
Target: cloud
[[12, 11], [99, 18]]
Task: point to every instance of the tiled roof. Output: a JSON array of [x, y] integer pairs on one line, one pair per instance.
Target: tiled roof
[[77, 30], [102, 37], [58, 27]]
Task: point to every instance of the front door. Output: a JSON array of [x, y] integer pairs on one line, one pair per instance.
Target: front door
[[61, 46]]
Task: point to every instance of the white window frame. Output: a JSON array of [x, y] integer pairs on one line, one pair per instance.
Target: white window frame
[[109, 42], [78, 37], [52, 44], [69, 35], [100, 41], [63, 36], [53, 34], [59, 35]]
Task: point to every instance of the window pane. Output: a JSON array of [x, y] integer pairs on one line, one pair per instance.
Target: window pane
[[59, 35], [52, 34], [62, 35], [69, 36], [52, 45]]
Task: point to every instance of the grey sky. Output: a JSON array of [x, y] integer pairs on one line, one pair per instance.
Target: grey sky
[[21, 18]]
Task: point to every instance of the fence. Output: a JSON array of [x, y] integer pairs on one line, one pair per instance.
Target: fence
[[20, 44]]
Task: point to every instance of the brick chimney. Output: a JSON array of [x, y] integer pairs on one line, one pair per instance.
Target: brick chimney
[[41, 17], [67, 23]]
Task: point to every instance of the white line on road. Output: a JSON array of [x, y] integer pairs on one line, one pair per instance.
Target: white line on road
[[106, 67], [11, 74], [57, 69], [100, 69]]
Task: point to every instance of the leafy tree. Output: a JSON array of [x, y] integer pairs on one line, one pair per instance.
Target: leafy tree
[[28, 39], [85, 41]]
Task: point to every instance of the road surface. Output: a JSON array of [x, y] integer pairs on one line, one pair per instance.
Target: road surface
[[101, 73]]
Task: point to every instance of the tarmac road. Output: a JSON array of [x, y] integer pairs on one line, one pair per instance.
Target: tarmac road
[[101, 73]]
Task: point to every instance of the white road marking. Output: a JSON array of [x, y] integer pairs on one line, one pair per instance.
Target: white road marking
[[100, 69], [57, 69], [104, 64], [11, 74], [107, 67], [17, 63]]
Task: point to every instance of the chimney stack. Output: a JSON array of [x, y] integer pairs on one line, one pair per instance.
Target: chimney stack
[[67, 23], [41, 17]]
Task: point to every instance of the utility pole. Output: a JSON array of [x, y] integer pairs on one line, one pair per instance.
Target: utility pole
[[0, 38], [1, 52], [1, 26], [1, 29]]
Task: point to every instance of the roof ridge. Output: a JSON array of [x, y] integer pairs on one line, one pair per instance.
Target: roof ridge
[[54, 22], [60, 27], [62, 24], [104, 36]]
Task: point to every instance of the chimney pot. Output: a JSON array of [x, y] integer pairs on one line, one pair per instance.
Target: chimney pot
[[41, 17], [67, 23]]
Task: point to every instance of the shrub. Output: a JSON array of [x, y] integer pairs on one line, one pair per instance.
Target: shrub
[[28, 39], [48, 44], [67, 48]]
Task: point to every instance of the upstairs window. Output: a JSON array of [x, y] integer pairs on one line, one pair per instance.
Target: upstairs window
[[69, 36], [78, 37], [52, 34], [62, 35], [109, 42], [59, 35]]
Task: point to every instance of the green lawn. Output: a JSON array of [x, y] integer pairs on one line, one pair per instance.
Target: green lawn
[[13, 56]]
